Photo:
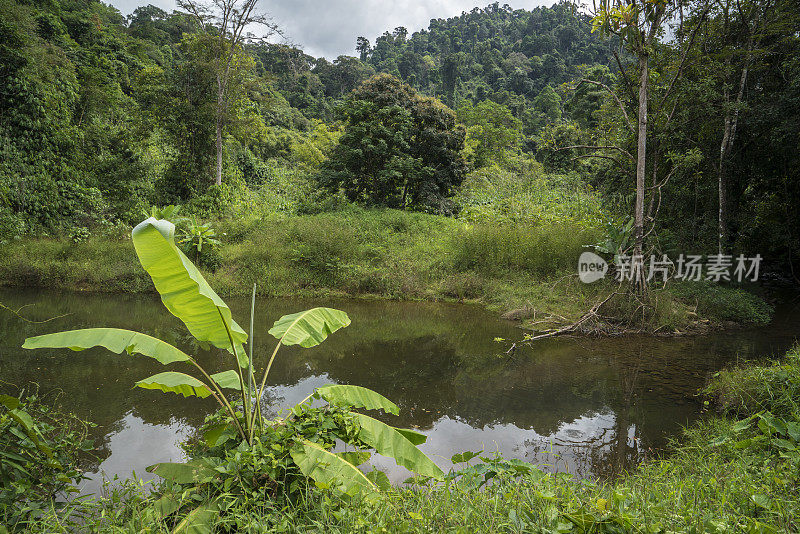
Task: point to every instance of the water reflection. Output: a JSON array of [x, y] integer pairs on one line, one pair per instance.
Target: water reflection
[[591, 407]]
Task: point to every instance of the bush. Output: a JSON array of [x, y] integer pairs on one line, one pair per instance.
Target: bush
[[39, 453], [528, 196]]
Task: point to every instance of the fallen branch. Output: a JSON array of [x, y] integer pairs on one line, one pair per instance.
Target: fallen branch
[[591, 314]]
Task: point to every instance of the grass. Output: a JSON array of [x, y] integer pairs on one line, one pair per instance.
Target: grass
[[380, 253], [727, 474]]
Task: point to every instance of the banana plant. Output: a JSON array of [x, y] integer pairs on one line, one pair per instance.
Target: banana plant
[[186, 294]]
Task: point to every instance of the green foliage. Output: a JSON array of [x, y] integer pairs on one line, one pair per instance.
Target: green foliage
[[275, 467], [492, 132], [39, 457], [188, 296], [525, 194], [616, 237], [748, 389], [398, 149], [542, 250], [196, 237], [494, 53], [724, 303]]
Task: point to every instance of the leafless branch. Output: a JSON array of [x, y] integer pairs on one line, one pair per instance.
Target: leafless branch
[[684, 55]]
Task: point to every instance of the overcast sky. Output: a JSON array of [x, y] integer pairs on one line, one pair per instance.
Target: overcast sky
[[329, 27]]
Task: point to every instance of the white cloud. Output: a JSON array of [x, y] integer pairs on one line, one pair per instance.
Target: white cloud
[[330, 28]]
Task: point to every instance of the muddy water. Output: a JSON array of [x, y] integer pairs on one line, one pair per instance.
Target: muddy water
[[591, 407]]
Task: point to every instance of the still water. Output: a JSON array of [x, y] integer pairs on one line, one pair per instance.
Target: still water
[[590, 407]]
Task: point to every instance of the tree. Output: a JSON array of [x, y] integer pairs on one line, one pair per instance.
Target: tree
[[226, 21], [744, 24], [399, 149], [363, 48], [638, 25], [492, 132]]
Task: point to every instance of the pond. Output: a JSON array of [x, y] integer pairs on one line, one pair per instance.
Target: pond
[[593, 407]]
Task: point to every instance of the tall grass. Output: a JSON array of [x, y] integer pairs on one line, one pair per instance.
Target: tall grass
[[542, 250]]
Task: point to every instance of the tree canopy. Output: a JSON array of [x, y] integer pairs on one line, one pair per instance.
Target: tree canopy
[[398, 149]]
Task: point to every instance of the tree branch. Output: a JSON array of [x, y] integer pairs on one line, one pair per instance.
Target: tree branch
[[600, 147], [616, 98]]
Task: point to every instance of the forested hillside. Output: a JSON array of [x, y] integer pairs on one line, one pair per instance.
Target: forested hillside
[[105, 115]]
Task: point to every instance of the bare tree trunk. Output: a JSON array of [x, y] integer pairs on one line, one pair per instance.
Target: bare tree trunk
[[728, 136], [722, 186], [219, 153], [641, 152]]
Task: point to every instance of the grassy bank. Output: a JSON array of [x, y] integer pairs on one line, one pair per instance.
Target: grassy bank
[[380, 253], [736, 471]]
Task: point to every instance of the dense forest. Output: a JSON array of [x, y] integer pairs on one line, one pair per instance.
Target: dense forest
[[104, 115]]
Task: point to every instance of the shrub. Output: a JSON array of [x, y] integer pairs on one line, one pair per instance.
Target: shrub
[[749, 389], [39, 454]]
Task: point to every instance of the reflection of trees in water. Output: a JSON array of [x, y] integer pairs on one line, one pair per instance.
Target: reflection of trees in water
[[432, 360]]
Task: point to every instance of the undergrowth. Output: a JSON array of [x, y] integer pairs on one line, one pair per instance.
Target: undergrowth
[[737, 472]]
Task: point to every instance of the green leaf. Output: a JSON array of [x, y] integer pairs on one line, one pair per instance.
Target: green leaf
[[784, 444], [213, 435], [309, 328], [358, 397], [380, 479], [769, 424], [201, 520], [172, 382], [464, 457], [165, 506], [113, 339], [761, 500], [328, 469], [183, 290], [227, 379], [793, 429], [414, 437], [12, 403], [180, 473], [388, 441], [355, 457]]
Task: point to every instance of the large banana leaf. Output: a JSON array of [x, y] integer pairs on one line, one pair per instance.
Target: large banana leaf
[[309, 328], [181, 473], [329, 469], [201, 520], [172, 382], [183, 290], [413, 436], [227, 379], [114, 339], [358, 397], [388, 441]]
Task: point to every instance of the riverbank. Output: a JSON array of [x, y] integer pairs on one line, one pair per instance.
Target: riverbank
[[735, 471], [525, 272]]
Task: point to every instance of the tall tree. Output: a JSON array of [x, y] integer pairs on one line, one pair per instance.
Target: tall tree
[[743, 26], [638, 24], [226, 21], [399, 149]]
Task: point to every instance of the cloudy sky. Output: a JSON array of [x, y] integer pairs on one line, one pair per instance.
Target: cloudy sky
[[329, 27]]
